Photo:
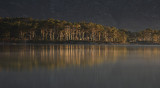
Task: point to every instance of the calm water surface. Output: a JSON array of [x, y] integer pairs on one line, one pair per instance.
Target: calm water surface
[[79, 66]]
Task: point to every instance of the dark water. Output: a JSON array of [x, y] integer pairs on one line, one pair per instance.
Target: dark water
[[79, 66]]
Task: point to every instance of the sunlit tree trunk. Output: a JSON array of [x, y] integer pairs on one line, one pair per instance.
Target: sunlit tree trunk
[[106, 38], [76, 34], [99, 36], [82, 35], [21, 35], [50, 34], [42, 34], [53, 36]]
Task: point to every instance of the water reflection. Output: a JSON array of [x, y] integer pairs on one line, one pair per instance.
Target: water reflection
[[28, 57]]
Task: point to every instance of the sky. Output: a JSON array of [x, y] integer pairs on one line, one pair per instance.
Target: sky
[[133, 15]]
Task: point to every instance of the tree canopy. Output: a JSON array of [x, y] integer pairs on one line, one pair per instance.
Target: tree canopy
[[28, 29]]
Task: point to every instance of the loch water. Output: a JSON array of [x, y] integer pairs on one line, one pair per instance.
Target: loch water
[[79, 66]]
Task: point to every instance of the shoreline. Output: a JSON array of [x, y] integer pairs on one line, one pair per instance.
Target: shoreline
[[73, 42]]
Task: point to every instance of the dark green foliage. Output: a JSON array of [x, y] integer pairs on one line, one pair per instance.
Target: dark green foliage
[[23, 29]]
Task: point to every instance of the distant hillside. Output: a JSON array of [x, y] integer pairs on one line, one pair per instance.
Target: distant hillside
[[130, 14]]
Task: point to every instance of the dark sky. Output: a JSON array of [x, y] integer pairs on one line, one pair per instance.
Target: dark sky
[[130, 14]]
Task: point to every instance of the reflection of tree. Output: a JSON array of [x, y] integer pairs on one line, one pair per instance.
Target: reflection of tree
[[22, 57]]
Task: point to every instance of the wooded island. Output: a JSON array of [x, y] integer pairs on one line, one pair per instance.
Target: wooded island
[[51, 30]]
